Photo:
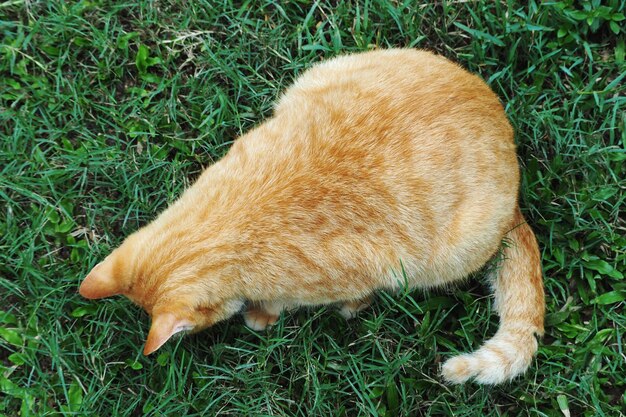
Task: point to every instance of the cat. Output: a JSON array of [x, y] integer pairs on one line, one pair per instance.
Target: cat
[[375, 167]]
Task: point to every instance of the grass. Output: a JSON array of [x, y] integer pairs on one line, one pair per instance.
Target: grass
[[109, 109]]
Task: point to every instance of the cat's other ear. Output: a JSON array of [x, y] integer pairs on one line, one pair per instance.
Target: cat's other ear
[[100, 282], [164, 326]]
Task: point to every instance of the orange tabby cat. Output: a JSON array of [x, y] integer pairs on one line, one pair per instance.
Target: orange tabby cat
[[375, 163]]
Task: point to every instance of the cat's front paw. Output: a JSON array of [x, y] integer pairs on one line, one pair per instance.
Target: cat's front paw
[[350, 309], [258, 319]]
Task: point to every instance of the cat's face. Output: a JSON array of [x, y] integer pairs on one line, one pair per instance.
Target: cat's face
[[172, 306]]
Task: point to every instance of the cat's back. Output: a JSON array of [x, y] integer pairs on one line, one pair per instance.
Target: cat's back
[[368, 159], [399, 102], [392, 88], [401, 115], [403, 146]]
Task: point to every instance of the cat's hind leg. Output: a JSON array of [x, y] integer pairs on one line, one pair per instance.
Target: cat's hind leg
[[258, 316], [349, 309]]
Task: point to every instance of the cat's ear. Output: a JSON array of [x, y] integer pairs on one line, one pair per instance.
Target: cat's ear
[[100, 282], [164, 326]]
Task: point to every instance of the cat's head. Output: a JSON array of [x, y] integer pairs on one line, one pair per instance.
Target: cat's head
[[175, 296]]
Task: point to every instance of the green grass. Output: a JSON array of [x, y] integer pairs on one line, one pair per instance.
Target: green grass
[[109, 109]]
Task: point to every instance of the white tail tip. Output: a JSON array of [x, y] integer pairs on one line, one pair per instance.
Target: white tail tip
[[500, 359]]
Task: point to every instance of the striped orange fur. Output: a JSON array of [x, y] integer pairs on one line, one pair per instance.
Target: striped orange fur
[[375, 163]]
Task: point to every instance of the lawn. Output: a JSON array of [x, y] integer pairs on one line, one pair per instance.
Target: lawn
[[109, 109]]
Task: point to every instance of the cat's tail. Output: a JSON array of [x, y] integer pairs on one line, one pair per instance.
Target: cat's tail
[[519, 300]]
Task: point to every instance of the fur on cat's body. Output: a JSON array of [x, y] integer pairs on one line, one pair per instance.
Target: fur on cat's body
[[374, 168]]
